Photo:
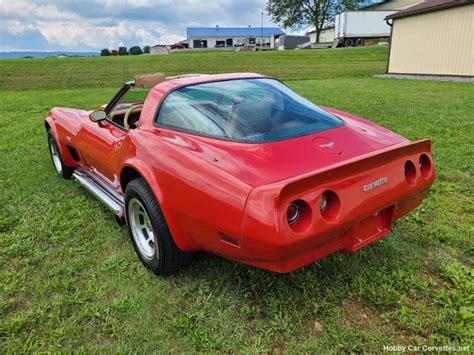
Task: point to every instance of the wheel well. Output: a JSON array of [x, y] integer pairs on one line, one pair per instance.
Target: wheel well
[[128, 174], [47, 126]]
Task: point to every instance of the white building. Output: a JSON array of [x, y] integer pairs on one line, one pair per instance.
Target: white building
[[326, 36], [220, 37], [158, 50]]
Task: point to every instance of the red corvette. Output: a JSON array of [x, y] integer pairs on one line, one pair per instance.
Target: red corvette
[[238, 165]]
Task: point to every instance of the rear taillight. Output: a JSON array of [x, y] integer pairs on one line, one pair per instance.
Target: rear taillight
[[329, 205], [293, 212], [299, 216], [323, 202], [425, 165], [410, 172]]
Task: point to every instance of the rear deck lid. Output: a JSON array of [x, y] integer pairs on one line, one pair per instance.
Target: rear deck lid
[[257, 164]]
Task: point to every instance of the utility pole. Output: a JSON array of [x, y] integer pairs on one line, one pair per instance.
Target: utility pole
[[261, 39]]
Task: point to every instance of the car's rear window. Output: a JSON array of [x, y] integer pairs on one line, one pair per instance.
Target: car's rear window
[[247, 110]]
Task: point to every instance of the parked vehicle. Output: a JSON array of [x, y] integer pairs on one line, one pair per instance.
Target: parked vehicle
[[238, 165], [354, 27], [290, 42], [176, 46], [306, 45]]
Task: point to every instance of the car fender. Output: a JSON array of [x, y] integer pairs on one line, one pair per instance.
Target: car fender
[[146, 172], [65, 155]]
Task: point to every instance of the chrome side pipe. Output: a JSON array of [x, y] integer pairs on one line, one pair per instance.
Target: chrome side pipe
[[113, 203]]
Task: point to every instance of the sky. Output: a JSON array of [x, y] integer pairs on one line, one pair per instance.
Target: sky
[[89, 25]]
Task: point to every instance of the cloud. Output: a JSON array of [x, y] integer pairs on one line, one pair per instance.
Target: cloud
[[92, 24], [9, 42]]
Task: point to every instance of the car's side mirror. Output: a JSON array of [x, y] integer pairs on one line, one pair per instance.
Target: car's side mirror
[[96, 116]]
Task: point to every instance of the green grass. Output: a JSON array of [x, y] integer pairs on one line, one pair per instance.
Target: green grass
[[71, 281]]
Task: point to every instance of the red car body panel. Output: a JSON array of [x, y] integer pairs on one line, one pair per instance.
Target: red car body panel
[[230, 198]]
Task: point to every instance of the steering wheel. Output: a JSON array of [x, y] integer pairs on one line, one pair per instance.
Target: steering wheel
[[132, 109]]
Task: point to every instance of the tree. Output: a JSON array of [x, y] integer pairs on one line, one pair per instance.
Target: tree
[[135, 50], [349, 5], [146, 49], [297, 14], [104, 52], [122, 51]]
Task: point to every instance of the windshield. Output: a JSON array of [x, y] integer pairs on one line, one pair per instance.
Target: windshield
[[133, 96], [248, 110]]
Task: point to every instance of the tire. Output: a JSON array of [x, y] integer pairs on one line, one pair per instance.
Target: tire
[[61, 169], [359, 42], [149, 232], [349, 42]]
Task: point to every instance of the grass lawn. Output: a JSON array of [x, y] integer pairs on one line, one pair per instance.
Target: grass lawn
[[71, 280]]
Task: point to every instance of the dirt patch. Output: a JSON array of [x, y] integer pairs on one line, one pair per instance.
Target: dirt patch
[[358, 314]]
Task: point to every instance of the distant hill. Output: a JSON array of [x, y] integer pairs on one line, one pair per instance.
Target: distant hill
[[13, 55]]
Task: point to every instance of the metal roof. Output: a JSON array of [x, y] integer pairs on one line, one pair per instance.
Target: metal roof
[[312, 30], [429, 6], [232, 31], [390, 5]]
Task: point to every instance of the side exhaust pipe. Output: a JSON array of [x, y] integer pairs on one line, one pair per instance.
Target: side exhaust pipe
[[111, 201]]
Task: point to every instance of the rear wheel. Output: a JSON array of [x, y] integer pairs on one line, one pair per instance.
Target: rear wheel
[[61, 169], [149, 232]]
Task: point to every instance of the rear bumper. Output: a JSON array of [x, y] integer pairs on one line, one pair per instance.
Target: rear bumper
[[364, 214], [292, 255]]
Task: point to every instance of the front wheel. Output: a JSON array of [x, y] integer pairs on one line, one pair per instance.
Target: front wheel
[[61, 169], [149, 232]]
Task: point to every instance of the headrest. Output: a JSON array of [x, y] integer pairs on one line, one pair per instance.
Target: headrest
[[147, 81], [249, 118]]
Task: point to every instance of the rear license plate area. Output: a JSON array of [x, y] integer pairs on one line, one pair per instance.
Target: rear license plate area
[[373, 227]]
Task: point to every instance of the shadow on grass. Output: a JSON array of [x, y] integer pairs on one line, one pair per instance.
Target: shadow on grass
[[334, 278]]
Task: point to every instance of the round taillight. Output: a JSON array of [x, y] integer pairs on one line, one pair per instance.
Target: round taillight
[[329, 205], [425, 165], [323, 202], [410, 173], [299, 216], [292, 212]]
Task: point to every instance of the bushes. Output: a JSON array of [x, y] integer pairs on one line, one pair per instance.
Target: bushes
[[135, 50], [122, 51]]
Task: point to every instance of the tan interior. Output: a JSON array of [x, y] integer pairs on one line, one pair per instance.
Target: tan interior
[[134, 108], [147, 81], [128, 116], [116, 113]]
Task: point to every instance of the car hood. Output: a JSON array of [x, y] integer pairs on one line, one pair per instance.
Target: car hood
[[259, 164]]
